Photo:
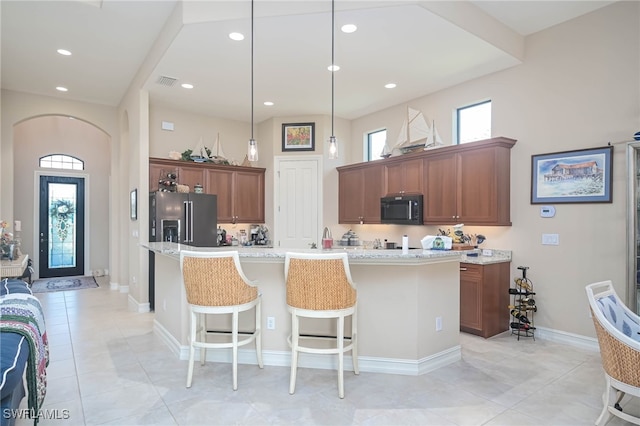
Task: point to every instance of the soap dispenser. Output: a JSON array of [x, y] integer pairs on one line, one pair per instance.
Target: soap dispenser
[[327, 239]]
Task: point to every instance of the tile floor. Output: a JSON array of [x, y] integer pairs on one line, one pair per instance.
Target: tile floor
[[108, 367]]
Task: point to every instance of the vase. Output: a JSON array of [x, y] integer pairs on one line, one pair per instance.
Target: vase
[[8, 251]]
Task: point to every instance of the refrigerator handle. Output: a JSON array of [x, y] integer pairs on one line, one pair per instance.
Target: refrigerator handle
[[191, 221], [186, 221]]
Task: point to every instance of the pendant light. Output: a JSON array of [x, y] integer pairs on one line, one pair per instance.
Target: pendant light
[[333, 142], [252, 148]]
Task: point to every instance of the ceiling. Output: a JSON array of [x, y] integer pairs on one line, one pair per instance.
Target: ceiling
[[422, 46]]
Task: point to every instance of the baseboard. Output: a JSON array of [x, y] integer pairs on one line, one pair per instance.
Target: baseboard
[[570, 339], [113, 285], [125, 289], [318, 361], [135, 306]]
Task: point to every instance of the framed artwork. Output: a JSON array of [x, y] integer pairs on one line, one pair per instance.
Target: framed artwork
[[133, 205], [582, 176], [298, 137]]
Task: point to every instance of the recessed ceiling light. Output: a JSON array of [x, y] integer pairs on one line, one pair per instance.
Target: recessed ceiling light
[[62, 89], [64, 52], [236, 36], [349, 28], [333, 67], [390, 85], [187, 85], [268, 103]]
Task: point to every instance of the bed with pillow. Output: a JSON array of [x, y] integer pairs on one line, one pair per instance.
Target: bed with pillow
[[24, 350]]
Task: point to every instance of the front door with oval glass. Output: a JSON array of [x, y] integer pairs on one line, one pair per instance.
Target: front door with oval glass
[[61, 226]]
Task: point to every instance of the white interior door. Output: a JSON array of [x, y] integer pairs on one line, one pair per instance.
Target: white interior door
[[298, 202]]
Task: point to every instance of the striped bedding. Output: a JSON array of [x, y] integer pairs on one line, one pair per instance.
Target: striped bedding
[[22, 324]]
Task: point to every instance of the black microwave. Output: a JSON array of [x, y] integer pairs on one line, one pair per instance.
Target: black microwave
[[401, 210]]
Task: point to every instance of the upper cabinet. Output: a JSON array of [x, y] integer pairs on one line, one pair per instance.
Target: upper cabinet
[[404, 177], [239, 190], [360, 188], [467, 183]]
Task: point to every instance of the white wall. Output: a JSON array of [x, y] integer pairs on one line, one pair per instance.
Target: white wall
[[577, 88]]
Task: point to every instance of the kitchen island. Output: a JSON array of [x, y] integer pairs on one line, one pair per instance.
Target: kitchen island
[[401, 299]]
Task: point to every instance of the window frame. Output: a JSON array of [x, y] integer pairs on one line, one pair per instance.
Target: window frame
[[466, 107], [58, 163], [368, 153]]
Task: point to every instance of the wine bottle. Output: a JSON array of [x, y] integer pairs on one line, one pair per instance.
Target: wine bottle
[[524, 283], [519, 316], [520, 293], [528, 301], [521, 326]]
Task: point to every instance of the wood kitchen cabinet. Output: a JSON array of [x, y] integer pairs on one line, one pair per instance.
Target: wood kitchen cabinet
[[484, 298], [239, 190], [185, 173], [469, 184], [240, 194], [404, 177], [360, 188], [156, 172]]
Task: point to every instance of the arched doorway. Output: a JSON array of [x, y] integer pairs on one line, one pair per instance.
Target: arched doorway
[[42, 136]]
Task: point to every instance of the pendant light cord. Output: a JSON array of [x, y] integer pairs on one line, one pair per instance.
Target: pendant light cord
[[333, 64], [251, 69]]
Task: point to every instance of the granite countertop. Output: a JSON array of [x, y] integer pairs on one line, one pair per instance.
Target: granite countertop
[[497, 256], [356, 254]]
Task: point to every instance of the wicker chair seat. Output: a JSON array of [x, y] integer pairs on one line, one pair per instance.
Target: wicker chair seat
[[319, 285], [617, 330], [216, 285]]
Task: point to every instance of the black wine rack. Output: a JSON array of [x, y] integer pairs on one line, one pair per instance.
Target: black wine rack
[[523, 306]]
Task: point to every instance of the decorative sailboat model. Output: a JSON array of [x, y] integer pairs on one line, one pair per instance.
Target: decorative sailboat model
[[433, 140], [217, 155], [386, 151], [414, 132], [199, 154]]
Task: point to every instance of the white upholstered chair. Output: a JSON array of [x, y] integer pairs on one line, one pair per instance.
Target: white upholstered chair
[[215, 284], [617, 328], [319, 285]]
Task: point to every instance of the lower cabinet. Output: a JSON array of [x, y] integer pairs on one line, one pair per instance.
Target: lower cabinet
[[484, 298]]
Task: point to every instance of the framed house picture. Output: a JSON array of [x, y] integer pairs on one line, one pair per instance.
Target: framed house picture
[[582, 176], [298, 137]]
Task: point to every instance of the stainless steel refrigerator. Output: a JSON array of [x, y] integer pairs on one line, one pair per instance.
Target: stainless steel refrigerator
[[185, 218]]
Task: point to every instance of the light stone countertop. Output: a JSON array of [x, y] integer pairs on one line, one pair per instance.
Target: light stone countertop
[[498, 256], [356, 254]]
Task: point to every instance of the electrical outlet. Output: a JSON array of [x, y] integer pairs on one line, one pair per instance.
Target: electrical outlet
[[271, 323], [438, 323]]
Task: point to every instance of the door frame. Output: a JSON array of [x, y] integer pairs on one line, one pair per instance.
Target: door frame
[[36, 214], [276, 191], [633, 221]]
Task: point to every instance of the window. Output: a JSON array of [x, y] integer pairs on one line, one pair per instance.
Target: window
[[375, 144], [474, 122], [59, 161]]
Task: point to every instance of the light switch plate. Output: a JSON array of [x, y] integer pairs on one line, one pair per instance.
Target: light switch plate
[[167, 125], [550, 239], [487, 252]]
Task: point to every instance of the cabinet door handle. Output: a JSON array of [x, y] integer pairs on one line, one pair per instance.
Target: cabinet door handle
[[463, 269]]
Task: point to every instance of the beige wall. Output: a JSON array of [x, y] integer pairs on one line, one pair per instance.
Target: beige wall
[[31, 132], [577, 88], [48, 135]]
